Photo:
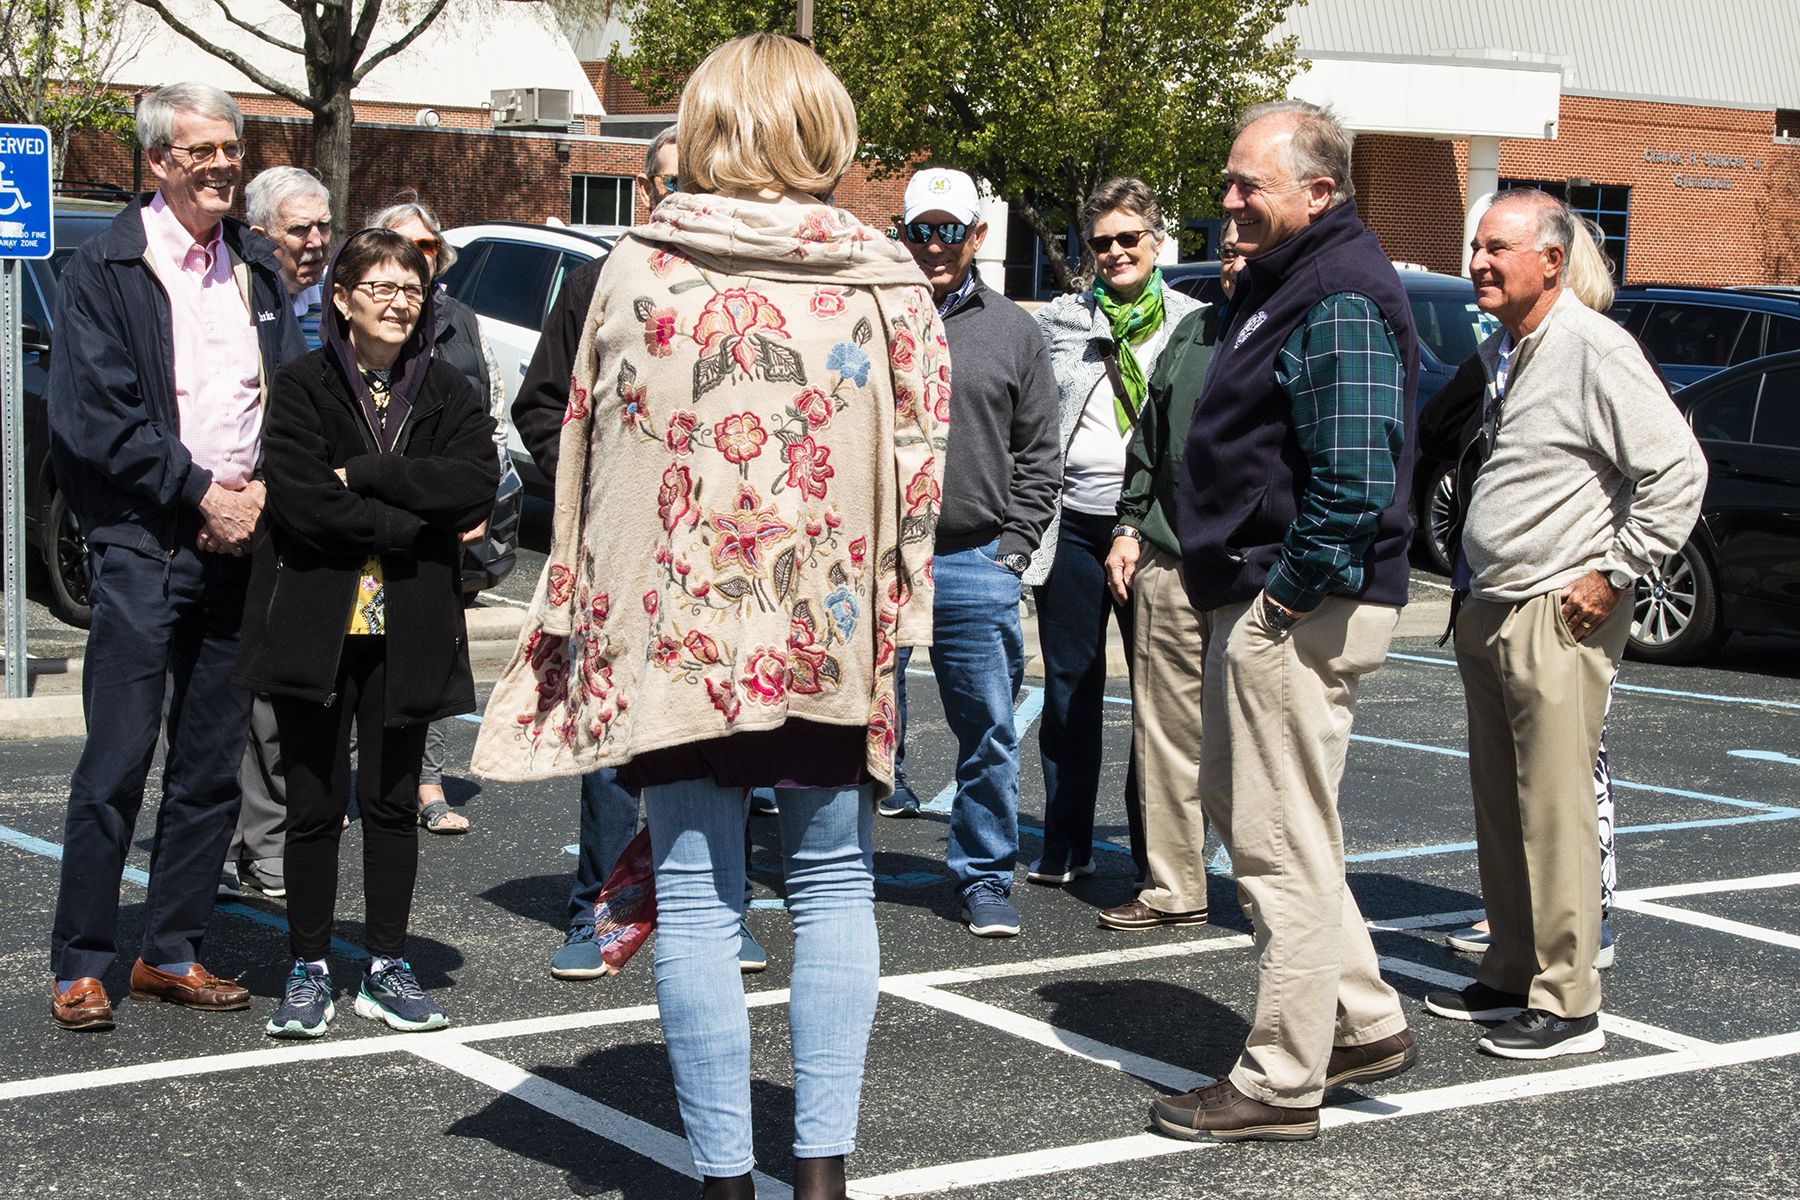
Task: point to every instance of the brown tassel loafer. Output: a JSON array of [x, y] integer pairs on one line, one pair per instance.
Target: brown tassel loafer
[[84, 1008], [199, 988]]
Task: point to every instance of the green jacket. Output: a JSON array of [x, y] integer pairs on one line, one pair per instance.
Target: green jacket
[[1153, 456]]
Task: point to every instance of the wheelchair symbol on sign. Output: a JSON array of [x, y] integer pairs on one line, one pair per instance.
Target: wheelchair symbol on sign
[[10, 196]]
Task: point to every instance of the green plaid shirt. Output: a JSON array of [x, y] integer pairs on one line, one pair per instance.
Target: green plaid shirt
[[1343, 372]]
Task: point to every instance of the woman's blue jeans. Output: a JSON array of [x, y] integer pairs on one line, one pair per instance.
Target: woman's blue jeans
[[697, 837]]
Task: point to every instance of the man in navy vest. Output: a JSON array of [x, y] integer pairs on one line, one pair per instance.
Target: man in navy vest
[[1293, 526]]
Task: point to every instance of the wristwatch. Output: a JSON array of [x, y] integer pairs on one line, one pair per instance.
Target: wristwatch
[[1016, 562], [1279, 619], [1130, 531], [1622, 580]]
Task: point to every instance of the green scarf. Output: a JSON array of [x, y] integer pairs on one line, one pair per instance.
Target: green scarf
[[1131, 324]]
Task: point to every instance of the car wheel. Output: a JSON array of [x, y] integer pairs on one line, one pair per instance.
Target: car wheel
[[66, 557], [1431, 536], [1675, 610]]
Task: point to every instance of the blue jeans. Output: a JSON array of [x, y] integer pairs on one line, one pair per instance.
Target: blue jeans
[[1072, 610], [609, 818], [978, 654], [827, 852]]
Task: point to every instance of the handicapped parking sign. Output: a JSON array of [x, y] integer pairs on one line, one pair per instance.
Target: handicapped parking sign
[[25, 208]]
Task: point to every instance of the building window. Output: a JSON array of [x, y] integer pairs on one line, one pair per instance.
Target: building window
[[1787, 126], [600, 200], [1606, 205]]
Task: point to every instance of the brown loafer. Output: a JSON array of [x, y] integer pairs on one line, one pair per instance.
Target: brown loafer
[[199, 988], [1221, 1113], [1380, 1059], [84, 1008], [1138, 915]]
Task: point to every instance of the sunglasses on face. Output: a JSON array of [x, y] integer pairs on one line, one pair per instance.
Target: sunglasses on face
[[671, 184], [1129, 239], [951, 233], [206, 151], [430, 247], [383, 291]]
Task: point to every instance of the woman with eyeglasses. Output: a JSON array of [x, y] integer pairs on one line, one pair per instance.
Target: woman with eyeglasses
[[378, 456], [746, 499], [457, 339], [1104, 343]]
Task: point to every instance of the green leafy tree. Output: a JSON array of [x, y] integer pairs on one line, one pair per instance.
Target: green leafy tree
[[1043, 100], [55, 59]]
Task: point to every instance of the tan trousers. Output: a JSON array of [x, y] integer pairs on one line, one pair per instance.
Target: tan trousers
[[1168, 656], [1537, 703], [1278, 709]]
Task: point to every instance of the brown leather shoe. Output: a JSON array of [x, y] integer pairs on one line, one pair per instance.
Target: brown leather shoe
[[199, 988], [1381, 1059], [1138, 915], [1221, 1113], [84, 1008]]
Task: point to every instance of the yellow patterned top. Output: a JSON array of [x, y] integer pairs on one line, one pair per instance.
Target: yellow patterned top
[[369, 614]]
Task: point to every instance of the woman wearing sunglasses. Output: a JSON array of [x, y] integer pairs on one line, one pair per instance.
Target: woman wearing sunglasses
[[457, 339], [746, 498], [1104, 342], [378, 457]]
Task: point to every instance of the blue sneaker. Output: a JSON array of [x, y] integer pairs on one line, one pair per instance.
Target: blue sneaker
[[394, 998], [763, 803], [987, 911], [579, 957], [306, 1009], [751, 956], [1604, 959], [903, 803]]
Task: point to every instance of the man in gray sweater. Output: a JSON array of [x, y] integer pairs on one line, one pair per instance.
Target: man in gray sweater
[[1590, 475], [1001, 477]]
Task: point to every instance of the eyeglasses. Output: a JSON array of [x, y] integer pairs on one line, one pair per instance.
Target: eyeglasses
[[1128, 240], [383, 291], [430, 247], [671, 183], [206, 151], [951, 233], [301, 232]]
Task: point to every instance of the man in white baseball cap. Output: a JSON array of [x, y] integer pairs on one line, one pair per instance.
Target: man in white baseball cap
[[1002, 473]]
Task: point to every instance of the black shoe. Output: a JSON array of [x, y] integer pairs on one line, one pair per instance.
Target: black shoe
[[1477, 1002], [1535, 1033]]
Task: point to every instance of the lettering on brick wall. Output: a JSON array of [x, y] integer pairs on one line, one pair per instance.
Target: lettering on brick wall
[[1703, 159]]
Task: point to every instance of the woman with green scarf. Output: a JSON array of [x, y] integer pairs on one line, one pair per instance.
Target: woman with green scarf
[[1103, 345]]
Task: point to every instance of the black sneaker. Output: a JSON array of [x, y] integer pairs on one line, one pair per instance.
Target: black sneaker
[[902, 803], [1535, 1033], [1477, 1002], [306, 1009]]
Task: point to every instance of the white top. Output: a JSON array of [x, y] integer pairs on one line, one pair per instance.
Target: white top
[[1094, 471]]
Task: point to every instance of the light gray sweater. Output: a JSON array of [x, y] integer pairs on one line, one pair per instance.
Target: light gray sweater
[[1593, 467]]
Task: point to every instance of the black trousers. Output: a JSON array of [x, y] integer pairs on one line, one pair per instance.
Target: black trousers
[[315, 751], [165, 629]]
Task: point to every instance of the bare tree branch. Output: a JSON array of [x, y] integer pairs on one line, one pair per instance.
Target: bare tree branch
[[254, 73], [405, 40], [255, 31]]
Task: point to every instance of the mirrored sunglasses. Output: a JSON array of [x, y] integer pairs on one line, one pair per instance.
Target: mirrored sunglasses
[[951, 233]]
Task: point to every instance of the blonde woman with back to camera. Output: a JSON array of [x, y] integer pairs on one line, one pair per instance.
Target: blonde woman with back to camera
[[745, 509]]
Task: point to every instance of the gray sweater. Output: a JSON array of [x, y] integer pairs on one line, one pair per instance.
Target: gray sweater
[[1002, 472], [1593, 467]]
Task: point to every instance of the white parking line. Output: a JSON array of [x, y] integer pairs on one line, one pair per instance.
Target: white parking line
[[1773, 937], [1707, 888]]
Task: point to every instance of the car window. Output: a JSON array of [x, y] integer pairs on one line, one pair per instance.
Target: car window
[[35, 311], [566, 263], [1784, 334], [1725, 415], [514, 284], [1449, 324], [1693, 335], [1778, 416], [461, 276], [1205, 288]]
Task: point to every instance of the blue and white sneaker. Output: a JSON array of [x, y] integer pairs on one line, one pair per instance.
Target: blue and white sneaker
[[902, 803], [393, 997], [763, 802], [751, 956], [306, 1009], [988, 912]]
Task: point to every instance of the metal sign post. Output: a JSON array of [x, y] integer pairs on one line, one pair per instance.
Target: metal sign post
[[25, 232]]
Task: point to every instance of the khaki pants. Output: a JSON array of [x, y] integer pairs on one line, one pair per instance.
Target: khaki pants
[[1278, 709], [1168, 655], [1537, 703]]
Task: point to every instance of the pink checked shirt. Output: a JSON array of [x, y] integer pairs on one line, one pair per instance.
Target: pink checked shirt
[[218, 376]]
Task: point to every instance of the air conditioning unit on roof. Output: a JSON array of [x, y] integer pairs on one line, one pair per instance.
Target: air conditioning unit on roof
[[533, 108]]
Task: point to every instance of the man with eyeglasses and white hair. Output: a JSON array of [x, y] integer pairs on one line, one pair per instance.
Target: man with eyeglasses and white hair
[[1293, 526], [1001, 475], [169, 326], [291, 208]]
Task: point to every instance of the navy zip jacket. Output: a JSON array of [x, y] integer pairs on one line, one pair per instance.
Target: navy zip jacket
[[115, 428]]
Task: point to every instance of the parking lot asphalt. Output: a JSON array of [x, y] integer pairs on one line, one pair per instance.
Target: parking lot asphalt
[[998, 1068]]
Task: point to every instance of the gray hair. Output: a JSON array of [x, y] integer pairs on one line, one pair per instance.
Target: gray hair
[[1125, 192], [397, 214], [1319, 147], [270, 191], [156, 113], [1586, 270], [665, 138]]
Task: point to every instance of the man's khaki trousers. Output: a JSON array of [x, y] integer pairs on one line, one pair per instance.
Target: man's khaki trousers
[[1278, 709], [1168, 652], [1537, 703]]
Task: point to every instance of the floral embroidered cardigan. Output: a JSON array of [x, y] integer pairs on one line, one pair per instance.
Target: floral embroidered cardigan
[[751, 467]]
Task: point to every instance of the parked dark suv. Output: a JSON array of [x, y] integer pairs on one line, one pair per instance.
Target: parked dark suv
[[52, 528], [1693, 332]]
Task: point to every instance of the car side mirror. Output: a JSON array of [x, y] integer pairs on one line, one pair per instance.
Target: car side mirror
[[32, 338]]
